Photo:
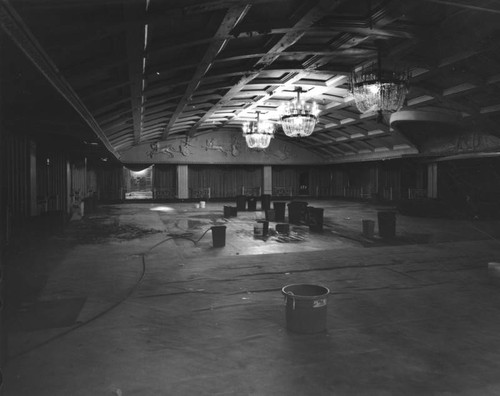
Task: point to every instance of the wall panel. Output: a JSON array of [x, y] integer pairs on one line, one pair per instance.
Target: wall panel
[[224, 181]]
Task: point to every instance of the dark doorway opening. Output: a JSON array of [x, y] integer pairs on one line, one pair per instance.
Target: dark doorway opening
[[304, 183], [139, 184]]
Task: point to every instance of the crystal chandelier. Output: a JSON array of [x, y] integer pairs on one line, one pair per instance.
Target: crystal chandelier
[[258, 133], [375, 89], [298, 118]]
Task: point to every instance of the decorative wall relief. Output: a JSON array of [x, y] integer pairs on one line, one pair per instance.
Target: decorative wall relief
[[282, 153], [212, 145], [469, 142], [465, 142], [218, 148], [235, 146], [169, 150], [157, 149], [184, 148]]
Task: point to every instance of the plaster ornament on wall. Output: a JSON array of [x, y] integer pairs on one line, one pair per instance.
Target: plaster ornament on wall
[[184, 148], [157, 149], [212, 145], [467, 142], [283, 153], [235, 146]]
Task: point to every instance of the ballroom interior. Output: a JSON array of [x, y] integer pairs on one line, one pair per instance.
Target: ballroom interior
[[262, 197]]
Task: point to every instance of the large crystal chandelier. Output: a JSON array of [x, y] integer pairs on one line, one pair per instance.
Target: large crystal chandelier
[[258, 134], [375, 89], [298, 118]]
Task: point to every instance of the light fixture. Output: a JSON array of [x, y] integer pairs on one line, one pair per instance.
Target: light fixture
[[375, 89], [299, 118], [258, 133]]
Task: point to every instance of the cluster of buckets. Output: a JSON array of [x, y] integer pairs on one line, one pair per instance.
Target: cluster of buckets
[[386, 225], [199, 205], [306, 304]]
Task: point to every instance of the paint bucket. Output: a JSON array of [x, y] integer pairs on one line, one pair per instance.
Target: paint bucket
[[283, 228], [368, 228], [218, 236], [252, 203], [387, 224], [297, 211], [279, 210], [315, 218], [241, 202], [230, 211], [197, 206], [265, 227], [202, 204], [258, 229], [306, 307], [266, 201]]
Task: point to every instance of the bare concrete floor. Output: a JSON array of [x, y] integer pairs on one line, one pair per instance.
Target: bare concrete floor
[[138, 302]]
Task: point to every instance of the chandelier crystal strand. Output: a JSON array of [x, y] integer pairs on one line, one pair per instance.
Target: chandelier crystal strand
[[298, 118], [258, 134]]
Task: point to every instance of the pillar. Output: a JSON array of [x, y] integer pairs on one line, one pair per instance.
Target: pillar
[[182, 182], [267, 178], [32, 170], [432, 181], [3, 221], [68, 188]]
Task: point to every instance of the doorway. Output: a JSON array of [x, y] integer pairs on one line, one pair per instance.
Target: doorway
[[304, 183], [139, 184]]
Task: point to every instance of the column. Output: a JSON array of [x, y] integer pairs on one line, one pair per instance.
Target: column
[[182, 182], [32, 170], [267, 179], [432, 181]]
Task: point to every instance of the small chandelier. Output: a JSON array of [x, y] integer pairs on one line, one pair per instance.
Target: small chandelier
[[375, 89], [298, 118], [258, 134]]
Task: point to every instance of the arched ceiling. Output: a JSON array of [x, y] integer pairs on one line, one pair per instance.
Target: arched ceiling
[[148, 70]]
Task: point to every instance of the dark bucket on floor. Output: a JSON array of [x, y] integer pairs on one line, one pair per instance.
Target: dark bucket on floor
[[230, 211], [266, 201], [297, 212], [279, 210], [265, 227], [368, 228], [283, 228], [387, 224], [252, 203], [218, 236], [241, 202], [315, 218], [306, 308]]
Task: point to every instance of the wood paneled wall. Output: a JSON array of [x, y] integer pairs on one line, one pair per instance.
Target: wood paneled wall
[[16, 158], [51, 181], [110, 183], [164, 177], [224, 181]]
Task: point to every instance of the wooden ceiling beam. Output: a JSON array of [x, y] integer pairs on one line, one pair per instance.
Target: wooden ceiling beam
[[233, 16], [136, 61], [274, 52]]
